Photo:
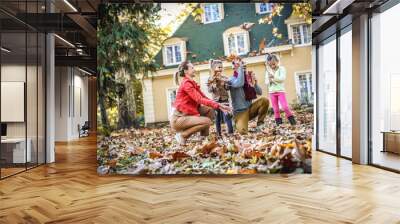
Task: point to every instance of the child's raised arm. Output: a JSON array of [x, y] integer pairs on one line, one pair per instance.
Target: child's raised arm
[[237, 82]]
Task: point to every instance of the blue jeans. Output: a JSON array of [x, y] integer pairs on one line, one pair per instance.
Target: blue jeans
[[219, 118]]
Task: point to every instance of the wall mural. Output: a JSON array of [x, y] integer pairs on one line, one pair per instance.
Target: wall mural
[[213, 88]]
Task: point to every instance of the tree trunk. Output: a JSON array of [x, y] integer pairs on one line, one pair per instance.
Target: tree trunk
[[103, 112], [126, 104]]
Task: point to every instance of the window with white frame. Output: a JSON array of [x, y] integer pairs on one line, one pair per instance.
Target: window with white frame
[[173, 54], [237, 43], [262, 8], [212, 12], [301, 34], [304, 91], [171, 96]]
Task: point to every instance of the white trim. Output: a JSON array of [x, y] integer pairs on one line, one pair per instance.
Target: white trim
[[148, 101], [236, 31], [257, 5], [281, 48], [302, 37], [182, 45], [303, 45], [221, 13]]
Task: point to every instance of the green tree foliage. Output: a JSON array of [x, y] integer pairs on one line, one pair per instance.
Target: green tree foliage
[[128, 37]]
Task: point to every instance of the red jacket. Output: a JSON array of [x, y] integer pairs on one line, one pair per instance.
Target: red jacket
[[189, 97]]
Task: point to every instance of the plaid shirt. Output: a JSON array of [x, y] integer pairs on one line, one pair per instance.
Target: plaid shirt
[[218, 86]]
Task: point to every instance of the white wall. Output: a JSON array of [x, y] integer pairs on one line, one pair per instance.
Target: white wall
[[71, 87], [33, 127], [10, 73]]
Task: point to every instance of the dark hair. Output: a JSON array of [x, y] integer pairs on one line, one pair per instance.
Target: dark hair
[[181, 71], [271, 57]]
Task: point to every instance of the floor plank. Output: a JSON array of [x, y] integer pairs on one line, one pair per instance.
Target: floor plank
[[70, 191]]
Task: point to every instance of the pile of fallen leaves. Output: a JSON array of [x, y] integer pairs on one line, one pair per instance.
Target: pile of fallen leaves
[[283, 149]]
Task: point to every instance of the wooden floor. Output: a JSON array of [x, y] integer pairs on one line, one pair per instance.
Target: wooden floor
[[70, 191]]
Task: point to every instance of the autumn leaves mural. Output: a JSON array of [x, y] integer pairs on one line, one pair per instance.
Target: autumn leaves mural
[[148, 124]]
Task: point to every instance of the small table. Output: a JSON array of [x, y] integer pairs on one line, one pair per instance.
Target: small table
[[391, 141]]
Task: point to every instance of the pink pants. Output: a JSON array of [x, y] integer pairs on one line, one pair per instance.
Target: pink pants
[[280, 97]]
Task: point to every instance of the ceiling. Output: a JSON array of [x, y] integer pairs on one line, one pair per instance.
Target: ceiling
[[74, 22], [331, 15]]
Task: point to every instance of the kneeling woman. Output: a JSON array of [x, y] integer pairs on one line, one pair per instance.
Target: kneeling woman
[[193, 110]]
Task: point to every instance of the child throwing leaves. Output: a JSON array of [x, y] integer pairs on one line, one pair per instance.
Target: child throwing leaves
[[218, 86], [275, 77]]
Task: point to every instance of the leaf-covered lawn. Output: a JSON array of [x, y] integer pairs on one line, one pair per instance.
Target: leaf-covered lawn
[[282, 149]]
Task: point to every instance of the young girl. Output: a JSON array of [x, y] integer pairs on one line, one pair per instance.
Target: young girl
[[218, 86], [275, 78]]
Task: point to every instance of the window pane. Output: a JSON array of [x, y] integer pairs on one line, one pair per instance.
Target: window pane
[[207, 12], [232, 44], [215, 12], [327, 97], [385, 88], [346, 94], [178, 57], [169, 55], [240, 44], [304, 88], [265, 7], [171, 99], [307, 33], [296, 35], [211, 12], [13, 84]]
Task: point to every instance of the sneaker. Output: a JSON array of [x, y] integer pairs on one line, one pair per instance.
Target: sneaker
[[278, 121], [180, 139]]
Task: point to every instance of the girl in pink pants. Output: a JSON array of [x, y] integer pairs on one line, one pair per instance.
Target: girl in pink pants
[[275, 78]]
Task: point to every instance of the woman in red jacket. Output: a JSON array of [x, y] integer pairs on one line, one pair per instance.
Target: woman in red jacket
[[194, 111]]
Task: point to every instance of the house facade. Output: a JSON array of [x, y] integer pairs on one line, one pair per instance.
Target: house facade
[[219, 34]]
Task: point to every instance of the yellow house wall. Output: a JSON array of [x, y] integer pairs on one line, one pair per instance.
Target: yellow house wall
[[296, 60]]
